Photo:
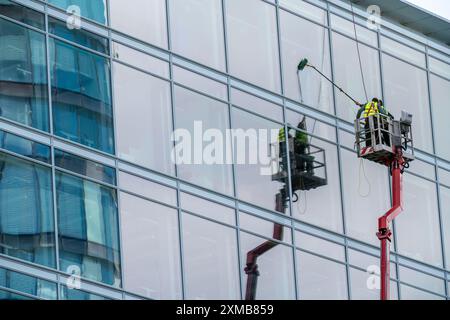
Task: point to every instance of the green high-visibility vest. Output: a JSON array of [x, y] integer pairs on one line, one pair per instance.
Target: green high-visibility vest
[[301, 137], [281, 135]]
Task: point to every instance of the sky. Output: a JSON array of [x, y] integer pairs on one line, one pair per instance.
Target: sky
[[439, 7]]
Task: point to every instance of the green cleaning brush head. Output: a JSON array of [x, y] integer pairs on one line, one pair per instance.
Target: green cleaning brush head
[[302, 64]]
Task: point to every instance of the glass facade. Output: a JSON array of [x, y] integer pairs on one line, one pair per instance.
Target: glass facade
[[92, 194]]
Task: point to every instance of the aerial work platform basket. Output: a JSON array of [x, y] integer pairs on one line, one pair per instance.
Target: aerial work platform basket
[[378, 136], [307, 165]]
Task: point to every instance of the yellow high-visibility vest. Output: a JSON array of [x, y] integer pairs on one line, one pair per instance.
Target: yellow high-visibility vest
[[370, 109], [281, 135]]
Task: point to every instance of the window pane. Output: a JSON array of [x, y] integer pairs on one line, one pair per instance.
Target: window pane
[[24, 147], [22, 14], [402, 51], [320, 278], [23, 76], [405, 88], [27, 284], [253, 175], [260, 106], [200, 83], [252, 42], [264, 227], [347, 74], [6, 295], [146, 188], [205, 120], [26, 211], [310, 206], [320, 246], [366, 196], [275, 267], [81, 96], [420, 217], [73, 294], [305, 9], [148, 19], [210, 260], [445, 213], [410, 293], [85, 167], [143, 117], [207, 208], [346, 27], [198, 24], [88, 231], [150, 248], [440, 100], [422, 280], [363, 286], [303, 39], [91, 9], [439, 67]]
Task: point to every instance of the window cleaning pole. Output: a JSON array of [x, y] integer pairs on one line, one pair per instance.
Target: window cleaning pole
[[304, 63], [384, 232]]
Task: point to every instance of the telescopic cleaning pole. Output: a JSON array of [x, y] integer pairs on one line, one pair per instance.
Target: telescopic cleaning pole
[[304, 63]]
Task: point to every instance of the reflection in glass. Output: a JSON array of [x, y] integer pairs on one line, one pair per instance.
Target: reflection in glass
[[405, 88], [26, 211], [151, 251], [198, 24], [445, 216], [410, 293], [208, 119], [420, 217], [440, 104], [88, 230], [148, 19], [91, 9], [345, 55], [28, 148], [23, 76], [276, 269], [143, 117], [252, 42], [360, 289], [210, 260], [320, 278], [27, 284], [22, 14], [303, 39], [81, 96], [74, 294]]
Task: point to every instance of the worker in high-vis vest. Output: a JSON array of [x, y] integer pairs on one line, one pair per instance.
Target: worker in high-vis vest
[[302, 148], [282, 148], [374, 108]]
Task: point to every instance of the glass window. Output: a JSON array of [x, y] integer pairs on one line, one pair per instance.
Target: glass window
[[445, 214], [405, 88], [148, 19], [420, 217], [439, 67], [205, 120], [7, 295], [346, 27], [440, 105], [260, 106], [24, 147], [27, 284], [207, 208], [74, 294], [320, 279], [444, 176], [210, 260], [91, 9], [368, 261], [423, 169], [150, 246], [422, 280], [318, 245], [23, 76], [364, 286], [313, 126], [348, 75], [82, 37], [85, 167], [22, 14], [198, 24], [252, 42], [403, 51], [141, 60], [366, 196], [303, 39], [275, 267], [410, 293], [88, 230], [81, 96], [264, 227], [26, 211], [253, 141], [309, 204], [305, 9], [146, 188], [143, 117]]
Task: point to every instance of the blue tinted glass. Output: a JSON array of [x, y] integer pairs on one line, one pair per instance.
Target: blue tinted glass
[[23, 76], [24, 147], [27, 284], [74, 294], [82, 37], [81, 96], [22, 14], [88, 231], [85, 167], [26, 211], [6, 295], [91, 9]]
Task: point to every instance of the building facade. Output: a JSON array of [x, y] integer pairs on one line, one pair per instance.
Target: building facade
[[92, 205]]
